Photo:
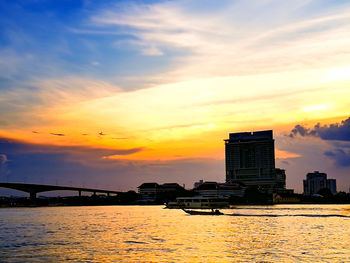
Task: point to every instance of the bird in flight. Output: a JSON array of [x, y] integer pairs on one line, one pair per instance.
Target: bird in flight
[[57, 134]]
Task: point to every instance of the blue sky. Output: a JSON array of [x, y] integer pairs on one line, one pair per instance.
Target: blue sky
[[46, 39], [64, 38]]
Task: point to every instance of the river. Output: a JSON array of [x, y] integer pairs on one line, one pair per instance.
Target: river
[[280, 233]]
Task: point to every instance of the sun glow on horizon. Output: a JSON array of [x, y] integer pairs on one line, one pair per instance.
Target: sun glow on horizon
[[174, 122]]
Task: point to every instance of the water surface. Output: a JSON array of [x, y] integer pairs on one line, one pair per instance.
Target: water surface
[[281, 233]]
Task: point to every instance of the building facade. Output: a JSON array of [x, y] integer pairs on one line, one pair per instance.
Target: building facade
[[196, 184], [150, 192], [278, 198], [250, 159], [316, 181], [220, 190]]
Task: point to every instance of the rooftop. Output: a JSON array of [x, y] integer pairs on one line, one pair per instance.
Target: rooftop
[[256, 135]]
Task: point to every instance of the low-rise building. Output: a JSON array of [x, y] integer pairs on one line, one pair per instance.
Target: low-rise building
[[196, 184], [150, 192], [220, 190], [279, 198], [170, 187]]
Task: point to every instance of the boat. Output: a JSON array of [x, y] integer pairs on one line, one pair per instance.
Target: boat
[[198, 202], [213, 212]]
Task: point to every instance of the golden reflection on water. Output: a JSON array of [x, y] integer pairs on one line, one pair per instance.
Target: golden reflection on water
[[283, 233]]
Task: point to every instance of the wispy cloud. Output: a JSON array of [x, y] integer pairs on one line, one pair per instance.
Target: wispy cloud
[[82, 154], [72, 89], [286, 155], [92, 166], [239, 38], [30, 103]]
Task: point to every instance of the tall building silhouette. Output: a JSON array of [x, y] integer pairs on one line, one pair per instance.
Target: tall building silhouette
[[250, 159], [316, 181]]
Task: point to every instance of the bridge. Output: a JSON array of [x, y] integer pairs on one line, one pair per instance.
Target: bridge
[[33, 189]]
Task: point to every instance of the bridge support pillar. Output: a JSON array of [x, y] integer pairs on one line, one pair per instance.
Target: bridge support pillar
[[79, 193], [108, 194], [32, 195]]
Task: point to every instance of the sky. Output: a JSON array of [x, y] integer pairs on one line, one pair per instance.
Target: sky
[[111, 94]]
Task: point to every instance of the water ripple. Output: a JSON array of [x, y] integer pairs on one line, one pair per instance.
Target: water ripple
[[298, 233]]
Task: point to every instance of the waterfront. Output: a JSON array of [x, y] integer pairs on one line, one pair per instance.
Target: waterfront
[[280, 233]]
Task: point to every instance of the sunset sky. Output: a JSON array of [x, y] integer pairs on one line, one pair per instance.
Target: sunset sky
[[111, 94]]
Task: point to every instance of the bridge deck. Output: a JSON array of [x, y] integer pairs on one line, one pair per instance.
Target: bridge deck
[[33, 189]]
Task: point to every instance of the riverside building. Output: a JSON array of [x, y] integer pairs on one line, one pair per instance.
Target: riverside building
[[316, 181], [151, 192], [250, 159]]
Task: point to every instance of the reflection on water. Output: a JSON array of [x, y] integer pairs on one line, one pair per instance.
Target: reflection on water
[[284, 233]]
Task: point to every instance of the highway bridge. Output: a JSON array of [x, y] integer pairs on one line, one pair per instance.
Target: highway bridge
[[33, 189]]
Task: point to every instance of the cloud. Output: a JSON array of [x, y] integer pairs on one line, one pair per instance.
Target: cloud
[[90, 156], [286, 154], [193, 40], [341, 157], [30, 103], [285, 162], [336, 131], [83, 166], [302, 131], [210, 40], [331, 132], [58, 91], [337, 135]]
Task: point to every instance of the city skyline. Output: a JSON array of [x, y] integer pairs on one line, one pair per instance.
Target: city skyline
[[117, 93]]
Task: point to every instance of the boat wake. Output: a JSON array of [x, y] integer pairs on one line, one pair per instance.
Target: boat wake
[[287, 215]]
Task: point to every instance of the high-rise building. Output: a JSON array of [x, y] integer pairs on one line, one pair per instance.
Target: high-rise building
[[316, 181], [250, 159]]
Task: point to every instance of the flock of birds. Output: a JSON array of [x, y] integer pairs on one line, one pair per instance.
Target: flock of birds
[[84, 134]]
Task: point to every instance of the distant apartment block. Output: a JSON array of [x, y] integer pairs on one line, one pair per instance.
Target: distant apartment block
[[151, 191], [316, 181], [250, 159]]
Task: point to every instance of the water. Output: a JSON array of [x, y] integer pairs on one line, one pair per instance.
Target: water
[[281, 233]]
